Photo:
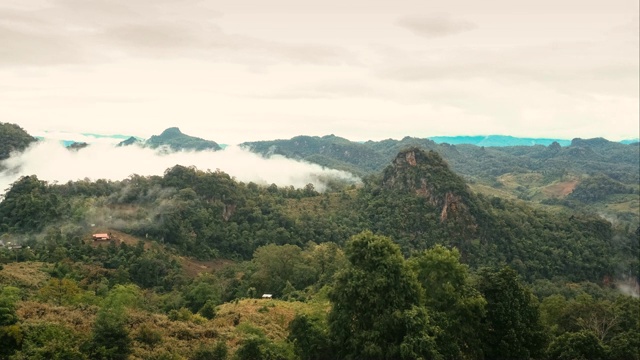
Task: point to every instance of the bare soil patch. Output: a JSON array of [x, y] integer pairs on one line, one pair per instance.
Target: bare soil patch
[[560, 189]]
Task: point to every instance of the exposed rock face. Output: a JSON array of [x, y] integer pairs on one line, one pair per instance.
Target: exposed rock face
[[411, 158], [228, 211], [451, 204]]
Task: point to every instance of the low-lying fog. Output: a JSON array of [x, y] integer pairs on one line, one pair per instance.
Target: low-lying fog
[[51, 161]]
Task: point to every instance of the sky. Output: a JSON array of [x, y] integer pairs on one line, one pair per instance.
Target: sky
[[235, 71]]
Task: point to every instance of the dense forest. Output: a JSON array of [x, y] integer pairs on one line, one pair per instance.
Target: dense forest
[[543, 175], [414, 263], [12, 138]]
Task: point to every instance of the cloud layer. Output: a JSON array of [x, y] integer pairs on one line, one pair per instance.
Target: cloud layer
[[52, 162], [79, 32]]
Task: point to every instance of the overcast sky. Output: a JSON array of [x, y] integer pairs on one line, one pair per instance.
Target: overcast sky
[[234, 70]]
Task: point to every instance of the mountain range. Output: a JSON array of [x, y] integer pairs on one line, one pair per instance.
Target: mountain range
[[595, 175], [478, 140]]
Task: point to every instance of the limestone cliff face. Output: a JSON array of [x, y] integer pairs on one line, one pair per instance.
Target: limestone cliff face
[[453, 205], [428, 176], [228, 211]]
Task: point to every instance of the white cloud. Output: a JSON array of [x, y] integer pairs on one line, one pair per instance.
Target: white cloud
[[80, 138], [52, 162], [72, 32]]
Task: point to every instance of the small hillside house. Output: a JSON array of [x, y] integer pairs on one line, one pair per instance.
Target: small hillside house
[[101, 237], [267, 296]]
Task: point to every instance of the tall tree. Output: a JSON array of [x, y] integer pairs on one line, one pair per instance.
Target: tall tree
[[8, 299], [278, 264], [376, 298], [326, 259], [512, 324], [454, 305], [309, 337], [29, 205], [110, 338], [576, 345], [10, 331]]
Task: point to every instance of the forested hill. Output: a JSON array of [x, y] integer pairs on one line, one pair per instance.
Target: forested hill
[[586, 156], [419, 202], [13, 138], [176, 140], [543, 174], [330, 151], [132, 140]]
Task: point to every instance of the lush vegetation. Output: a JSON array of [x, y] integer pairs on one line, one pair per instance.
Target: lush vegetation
[[12, 138], [375, 303], [413, 264], [590, 156], [541, 174]]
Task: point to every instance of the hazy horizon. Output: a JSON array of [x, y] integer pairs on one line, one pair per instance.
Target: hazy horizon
[[114, 138]]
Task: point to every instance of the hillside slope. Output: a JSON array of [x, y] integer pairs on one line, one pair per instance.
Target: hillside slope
[[541, 174], [13, 138]]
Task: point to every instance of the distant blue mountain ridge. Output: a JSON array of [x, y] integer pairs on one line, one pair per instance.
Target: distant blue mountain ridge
[[504, 140], [100, 136], [497, 140]]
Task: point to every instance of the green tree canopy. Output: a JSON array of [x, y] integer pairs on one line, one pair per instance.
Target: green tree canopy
[[12, 138], [512, 323], [110, 339], [278, 264], [376, 298], [454, 305], [580, 345], [310, 338]]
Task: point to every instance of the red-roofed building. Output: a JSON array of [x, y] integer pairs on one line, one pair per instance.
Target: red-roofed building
[[98, 237]]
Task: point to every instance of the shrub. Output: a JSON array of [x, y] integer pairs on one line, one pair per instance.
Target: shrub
[[180, 315], [208, 310], [217, 352], [148, 336]]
